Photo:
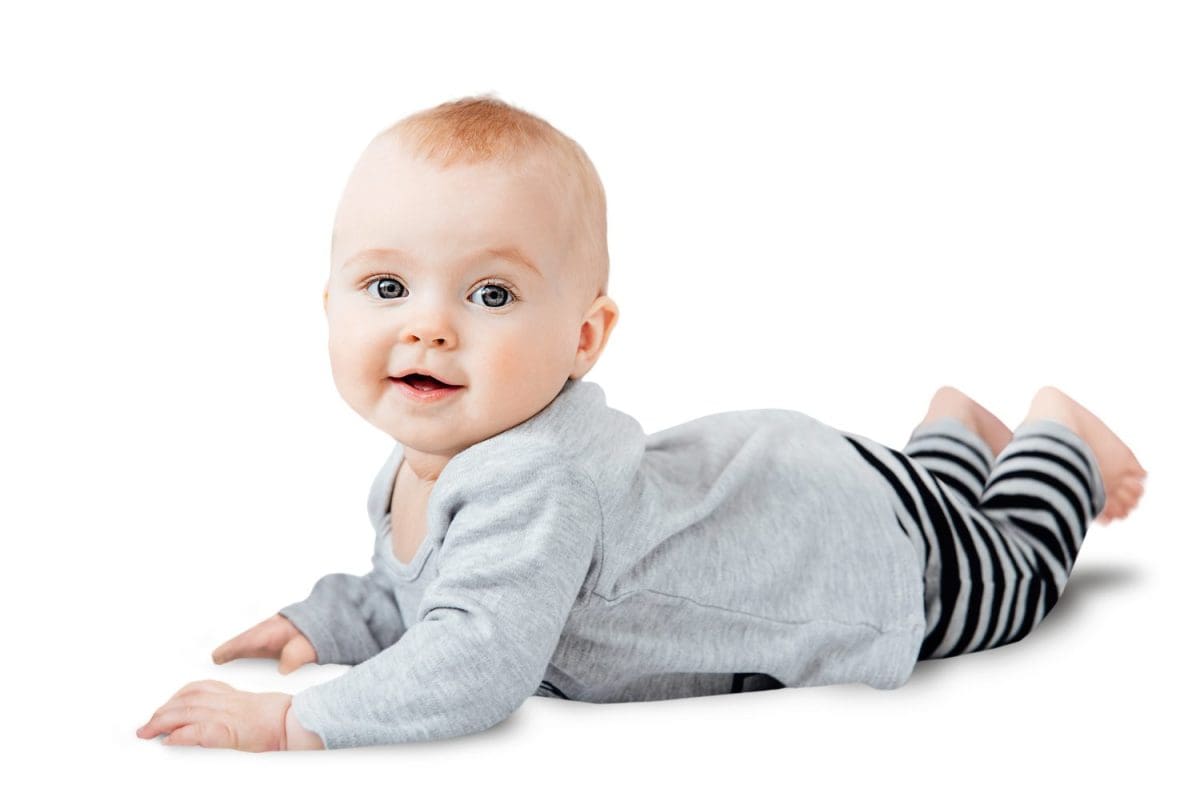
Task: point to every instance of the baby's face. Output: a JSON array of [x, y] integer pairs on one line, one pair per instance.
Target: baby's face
[[456, 272]]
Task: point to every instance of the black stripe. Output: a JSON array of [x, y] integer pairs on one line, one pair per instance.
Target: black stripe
[[1069, 495], [1063, 552], [997, 581], [983, 459], [1082, 459], [975, 585], [1032, 602], [1010, 620], [1026, 571], [899, 489], [951, 580], [950, 457], [1079, 469], [962, 488]]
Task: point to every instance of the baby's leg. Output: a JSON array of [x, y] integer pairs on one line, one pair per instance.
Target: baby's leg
[[950, 402], [998, 532]]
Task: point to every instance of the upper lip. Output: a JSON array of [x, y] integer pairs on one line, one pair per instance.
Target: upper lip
[[424, 371]]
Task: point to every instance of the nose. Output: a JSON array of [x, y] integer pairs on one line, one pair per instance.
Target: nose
[[429, 326]]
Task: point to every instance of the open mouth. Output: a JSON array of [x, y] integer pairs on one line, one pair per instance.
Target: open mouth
[[424, 383]]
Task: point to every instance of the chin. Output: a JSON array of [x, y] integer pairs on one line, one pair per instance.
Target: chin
[[413, 438]]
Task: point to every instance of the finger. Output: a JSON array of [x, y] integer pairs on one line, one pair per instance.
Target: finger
[[208, 734], [254, 642], [170, 718], [266, 633], [296, 653], [226, 651], [231, 648]]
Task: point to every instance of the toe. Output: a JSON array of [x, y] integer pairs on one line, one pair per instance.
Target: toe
[[1128, 495], [1115, 509]]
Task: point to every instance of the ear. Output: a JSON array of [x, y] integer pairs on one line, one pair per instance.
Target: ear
[[598, 323], [326, 299]]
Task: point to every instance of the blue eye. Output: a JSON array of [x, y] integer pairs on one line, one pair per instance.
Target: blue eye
[[393, 286], [494, 295]]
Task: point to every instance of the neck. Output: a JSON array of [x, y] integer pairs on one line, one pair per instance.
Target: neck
[[423, 467]]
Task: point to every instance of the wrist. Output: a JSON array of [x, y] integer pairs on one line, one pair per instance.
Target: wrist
[[296, 737]]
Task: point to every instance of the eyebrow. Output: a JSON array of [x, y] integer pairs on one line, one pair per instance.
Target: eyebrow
[[510, 253]]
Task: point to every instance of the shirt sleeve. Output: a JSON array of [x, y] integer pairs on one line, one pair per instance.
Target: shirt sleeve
[[347, 618], [512, 563]]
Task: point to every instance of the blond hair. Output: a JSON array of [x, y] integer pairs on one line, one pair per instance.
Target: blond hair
[[484, 128]]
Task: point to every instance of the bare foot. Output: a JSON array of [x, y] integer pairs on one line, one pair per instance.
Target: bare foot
[[950, 402], [1120, 470]]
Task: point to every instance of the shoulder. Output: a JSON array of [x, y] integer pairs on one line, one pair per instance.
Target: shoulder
[[513, 467], [532, 496]]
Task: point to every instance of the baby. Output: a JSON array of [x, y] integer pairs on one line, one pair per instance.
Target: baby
[[530, 540]]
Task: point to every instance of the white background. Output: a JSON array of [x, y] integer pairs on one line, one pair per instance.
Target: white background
[[832, 207]]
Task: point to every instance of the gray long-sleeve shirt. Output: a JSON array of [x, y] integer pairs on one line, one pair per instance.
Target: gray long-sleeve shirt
[[572, 555]]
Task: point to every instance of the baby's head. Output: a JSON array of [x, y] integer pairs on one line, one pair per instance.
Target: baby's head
[[470, 243]]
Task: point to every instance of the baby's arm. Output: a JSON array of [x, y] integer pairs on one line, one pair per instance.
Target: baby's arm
[[348, 619], [511, 567]]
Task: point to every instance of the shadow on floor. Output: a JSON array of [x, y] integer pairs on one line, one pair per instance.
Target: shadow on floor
[[1084, 582]]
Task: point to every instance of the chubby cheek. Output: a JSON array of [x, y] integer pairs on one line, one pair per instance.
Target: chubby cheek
[[506, 362], [357, 372], [524, 377]]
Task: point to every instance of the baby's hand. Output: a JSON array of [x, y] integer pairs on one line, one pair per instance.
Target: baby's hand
[[274, 638], [214, 715]]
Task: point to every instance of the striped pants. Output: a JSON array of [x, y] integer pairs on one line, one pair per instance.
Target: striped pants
[[998, 535]]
